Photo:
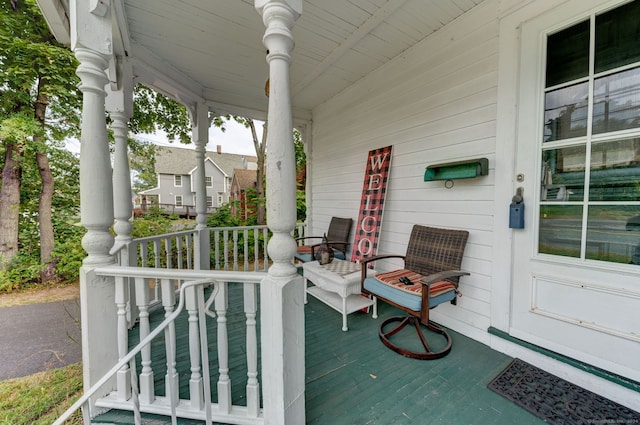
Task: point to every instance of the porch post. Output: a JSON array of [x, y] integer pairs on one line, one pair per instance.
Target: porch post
[[200, 136], [91, 40], [119, 104], [200, 139], [281, 292]]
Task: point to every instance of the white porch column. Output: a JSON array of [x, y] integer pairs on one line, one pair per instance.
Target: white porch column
[[91, 41], [200, 139], [119, 104], [282, 305]]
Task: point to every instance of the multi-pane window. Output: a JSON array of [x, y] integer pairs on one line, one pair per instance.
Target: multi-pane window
[[209, 201], [178, 200], [177, 181], [208, 181], [590, 151]]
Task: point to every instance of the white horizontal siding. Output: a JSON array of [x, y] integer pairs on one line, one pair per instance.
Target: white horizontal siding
[[434, 103]]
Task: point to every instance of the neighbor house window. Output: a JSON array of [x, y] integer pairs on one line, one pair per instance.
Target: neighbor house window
[[177, 181], [590, 151], [208, 181], [219, 199], [209, 201], [178, 200]]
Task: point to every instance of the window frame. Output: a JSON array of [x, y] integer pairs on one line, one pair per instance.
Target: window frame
[[589, 142]]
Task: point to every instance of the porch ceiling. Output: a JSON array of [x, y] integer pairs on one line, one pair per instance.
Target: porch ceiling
[[212, 51]]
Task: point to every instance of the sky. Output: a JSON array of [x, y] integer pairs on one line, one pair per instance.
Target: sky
[[236, 139]]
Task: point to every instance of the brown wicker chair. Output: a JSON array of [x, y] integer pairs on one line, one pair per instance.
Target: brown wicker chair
[[429, 278], [337, 238]]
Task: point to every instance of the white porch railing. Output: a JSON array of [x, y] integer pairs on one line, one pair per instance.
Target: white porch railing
[[149, 273], [134, 389], [230, 248]]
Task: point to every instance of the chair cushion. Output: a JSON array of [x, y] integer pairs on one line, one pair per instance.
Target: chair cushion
[[387, 285]]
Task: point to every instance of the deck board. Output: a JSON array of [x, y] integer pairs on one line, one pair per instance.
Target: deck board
[[353, 379]]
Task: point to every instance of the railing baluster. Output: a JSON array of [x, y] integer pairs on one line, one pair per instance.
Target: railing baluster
[[224, 382], [147, 393], [256, 249], [235, 250], [123, 379], [195, 382], [225, 250], [246, 249], [179, 247], [171, 378], [216, 239], [189, 239], [265, 235], [144, 254], [253, 386], [168, 253], [204, 350], [157, 254]]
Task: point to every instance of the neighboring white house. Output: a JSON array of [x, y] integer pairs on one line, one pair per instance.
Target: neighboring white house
[[177, 179]]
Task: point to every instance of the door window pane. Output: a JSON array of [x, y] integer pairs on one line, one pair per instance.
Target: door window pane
[[617, 37], [615, 171], [568, 54], [560, 230], [616, 103], [563, 174], [565, 112], [613, 233]]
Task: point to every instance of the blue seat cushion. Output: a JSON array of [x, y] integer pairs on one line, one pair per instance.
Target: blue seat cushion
[[387, 286]]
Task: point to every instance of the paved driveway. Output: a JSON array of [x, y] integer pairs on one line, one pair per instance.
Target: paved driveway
[[38, 337]]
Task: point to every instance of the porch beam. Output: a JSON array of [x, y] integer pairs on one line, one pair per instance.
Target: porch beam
[[282, 300]]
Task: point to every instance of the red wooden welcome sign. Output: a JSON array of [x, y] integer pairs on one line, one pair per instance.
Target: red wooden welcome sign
[[374, 189]]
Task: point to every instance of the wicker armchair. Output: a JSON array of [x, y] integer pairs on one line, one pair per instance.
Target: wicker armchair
[[429, 278], [337, 238]]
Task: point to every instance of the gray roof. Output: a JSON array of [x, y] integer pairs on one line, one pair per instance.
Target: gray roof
[[182, 160]]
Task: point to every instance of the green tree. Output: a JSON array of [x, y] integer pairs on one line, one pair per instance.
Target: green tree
[[39, 100]]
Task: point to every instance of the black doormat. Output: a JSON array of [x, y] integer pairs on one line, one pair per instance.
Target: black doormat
[[555, 400]]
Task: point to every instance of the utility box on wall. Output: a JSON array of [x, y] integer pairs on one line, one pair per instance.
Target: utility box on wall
[[457, 170]]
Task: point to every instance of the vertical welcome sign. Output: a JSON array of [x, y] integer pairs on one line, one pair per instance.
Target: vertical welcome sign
[[376, 176]]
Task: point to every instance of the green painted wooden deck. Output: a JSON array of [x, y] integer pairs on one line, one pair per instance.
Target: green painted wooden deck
[[352, 379]]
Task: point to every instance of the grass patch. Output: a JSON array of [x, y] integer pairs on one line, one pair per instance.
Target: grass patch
[[41, 398]]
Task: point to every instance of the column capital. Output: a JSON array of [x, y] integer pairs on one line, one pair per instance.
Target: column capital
[[91, 70], [279, 16]]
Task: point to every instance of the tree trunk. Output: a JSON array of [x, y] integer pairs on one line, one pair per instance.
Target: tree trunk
[[47, 243], [10, 204], [45, 215]]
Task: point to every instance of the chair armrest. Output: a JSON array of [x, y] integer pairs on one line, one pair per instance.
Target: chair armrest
[[364, 261], [330, 243], [308, 237], [434, 277]]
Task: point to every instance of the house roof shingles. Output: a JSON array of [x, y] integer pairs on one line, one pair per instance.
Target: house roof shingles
[[182, 160], [245, 178]]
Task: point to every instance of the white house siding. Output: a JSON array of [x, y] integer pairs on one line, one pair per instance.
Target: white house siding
[[436, 103]]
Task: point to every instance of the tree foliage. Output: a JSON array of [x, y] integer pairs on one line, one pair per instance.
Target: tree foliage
[[39, 104]]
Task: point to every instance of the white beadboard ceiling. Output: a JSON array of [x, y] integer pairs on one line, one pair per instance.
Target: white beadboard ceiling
[[212, 51]]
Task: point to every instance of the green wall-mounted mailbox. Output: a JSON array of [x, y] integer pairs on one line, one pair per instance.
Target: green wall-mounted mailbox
[[457, 170]]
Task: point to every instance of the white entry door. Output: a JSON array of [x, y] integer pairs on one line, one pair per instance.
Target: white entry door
[[576, 274]]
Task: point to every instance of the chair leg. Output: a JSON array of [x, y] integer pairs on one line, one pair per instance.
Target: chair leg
[[427, 354]]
